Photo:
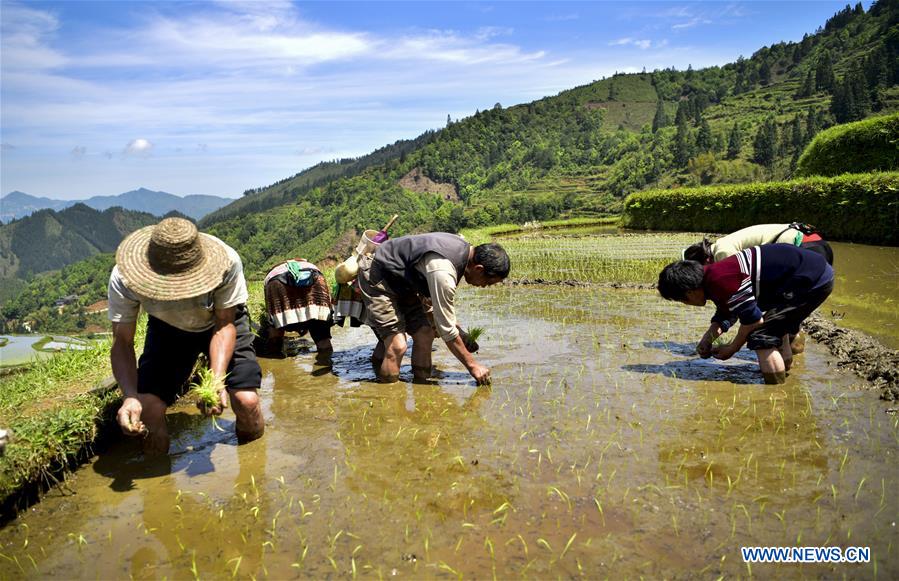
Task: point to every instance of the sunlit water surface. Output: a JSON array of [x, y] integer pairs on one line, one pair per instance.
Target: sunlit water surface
[[603, 448]]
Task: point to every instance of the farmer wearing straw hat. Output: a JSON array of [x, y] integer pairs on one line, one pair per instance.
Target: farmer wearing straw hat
[[409, 286], [193, 289]]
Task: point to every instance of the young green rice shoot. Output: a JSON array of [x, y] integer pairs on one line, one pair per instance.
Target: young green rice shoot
[[206, 392]]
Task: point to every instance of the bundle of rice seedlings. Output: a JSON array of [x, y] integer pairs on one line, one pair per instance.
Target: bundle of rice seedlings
[[206, 391], [470, 338]]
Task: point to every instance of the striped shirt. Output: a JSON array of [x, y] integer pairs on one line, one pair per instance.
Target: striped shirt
[[757, 279]]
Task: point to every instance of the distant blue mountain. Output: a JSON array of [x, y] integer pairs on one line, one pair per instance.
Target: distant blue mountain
[[19, 204]]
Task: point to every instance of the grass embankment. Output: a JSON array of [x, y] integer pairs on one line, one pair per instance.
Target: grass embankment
[[851, 207], [3, 341], [53, 410]]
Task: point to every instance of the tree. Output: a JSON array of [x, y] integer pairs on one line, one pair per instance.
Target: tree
[[661, 118], [807, 89], [704, 138], [765, 143], [765, 73], [824, 77], [683, 145], [734, 142], [797, 140], [812, 127]]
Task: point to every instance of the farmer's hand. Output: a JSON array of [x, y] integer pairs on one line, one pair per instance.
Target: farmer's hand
[[704, 348], [217, 410], [480, 373], [128, 417], [723, 352]]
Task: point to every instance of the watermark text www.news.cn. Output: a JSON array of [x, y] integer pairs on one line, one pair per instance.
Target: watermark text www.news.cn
[[806, 554]]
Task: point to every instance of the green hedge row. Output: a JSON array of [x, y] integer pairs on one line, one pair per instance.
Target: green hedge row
[[852, 207], [869, 145]]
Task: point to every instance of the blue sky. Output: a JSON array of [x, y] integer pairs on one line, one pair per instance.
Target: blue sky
[[217, 97]]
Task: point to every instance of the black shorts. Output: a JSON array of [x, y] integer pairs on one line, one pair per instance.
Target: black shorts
[[170, 354], [319, 330], [785, 319]]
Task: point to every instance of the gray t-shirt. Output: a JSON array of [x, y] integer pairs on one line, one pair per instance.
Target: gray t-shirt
[[193, 314]]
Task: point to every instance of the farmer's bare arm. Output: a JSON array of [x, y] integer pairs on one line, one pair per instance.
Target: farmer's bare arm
[[124, 363], [728, 351], [704, 348], [124, 369], [478, 371], [221, 347]]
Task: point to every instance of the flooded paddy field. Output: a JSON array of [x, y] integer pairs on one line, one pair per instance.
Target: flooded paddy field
[[603, 448], [23, 349]]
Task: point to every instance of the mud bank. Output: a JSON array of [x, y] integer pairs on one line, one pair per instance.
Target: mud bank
[[860, 353]]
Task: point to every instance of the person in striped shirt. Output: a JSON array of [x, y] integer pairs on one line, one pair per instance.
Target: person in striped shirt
[[770, 289]]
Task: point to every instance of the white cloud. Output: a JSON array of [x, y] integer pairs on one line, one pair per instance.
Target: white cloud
[[138, 148], [639, 43], [24, 33], [695, 21], [243, 94]]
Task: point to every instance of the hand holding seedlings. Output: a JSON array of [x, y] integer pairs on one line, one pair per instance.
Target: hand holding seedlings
[[212, 398], [470, 338]]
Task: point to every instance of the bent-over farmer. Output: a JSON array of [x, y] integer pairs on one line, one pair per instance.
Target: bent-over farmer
[[411, 281], [193, 289], [297, 299], [771, 289], [795, 233]]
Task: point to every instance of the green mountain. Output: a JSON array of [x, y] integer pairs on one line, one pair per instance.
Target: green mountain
[[582, 151], [49, 240], [579, 153]]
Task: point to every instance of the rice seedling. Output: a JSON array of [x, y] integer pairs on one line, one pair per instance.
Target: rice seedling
[[207, 391]]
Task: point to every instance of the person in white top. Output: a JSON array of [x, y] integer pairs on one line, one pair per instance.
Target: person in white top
[[193, 289]]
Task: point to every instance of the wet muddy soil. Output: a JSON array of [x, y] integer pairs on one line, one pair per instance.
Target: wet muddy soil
[[860, 353], [604, 448]]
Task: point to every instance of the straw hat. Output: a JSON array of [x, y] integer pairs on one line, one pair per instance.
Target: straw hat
[[171, 261]]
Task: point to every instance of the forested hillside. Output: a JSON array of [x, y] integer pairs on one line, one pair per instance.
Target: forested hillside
[[48, 240], [582, 151]]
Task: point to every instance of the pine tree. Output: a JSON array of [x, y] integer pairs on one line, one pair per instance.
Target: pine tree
[[812, 127], [765, 73], [682, 114], [683, 146], [765, 143], [661, 118], [807, 89], [734, 142], [839, 103], [704, 138], [861, 97], [797, 139], [824, 77]]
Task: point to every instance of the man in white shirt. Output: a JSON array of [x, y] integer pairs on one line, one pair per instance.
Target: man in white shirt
[[406, 270], [193, 289]]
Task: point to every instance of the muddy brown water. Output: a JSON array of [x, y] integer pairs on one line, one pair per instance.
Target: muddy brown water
[[866, 293], [603, 448]]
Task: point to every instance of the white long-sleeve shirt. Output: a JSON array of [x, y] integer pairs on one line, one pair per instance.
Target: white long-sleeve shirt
[[441, 276]]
